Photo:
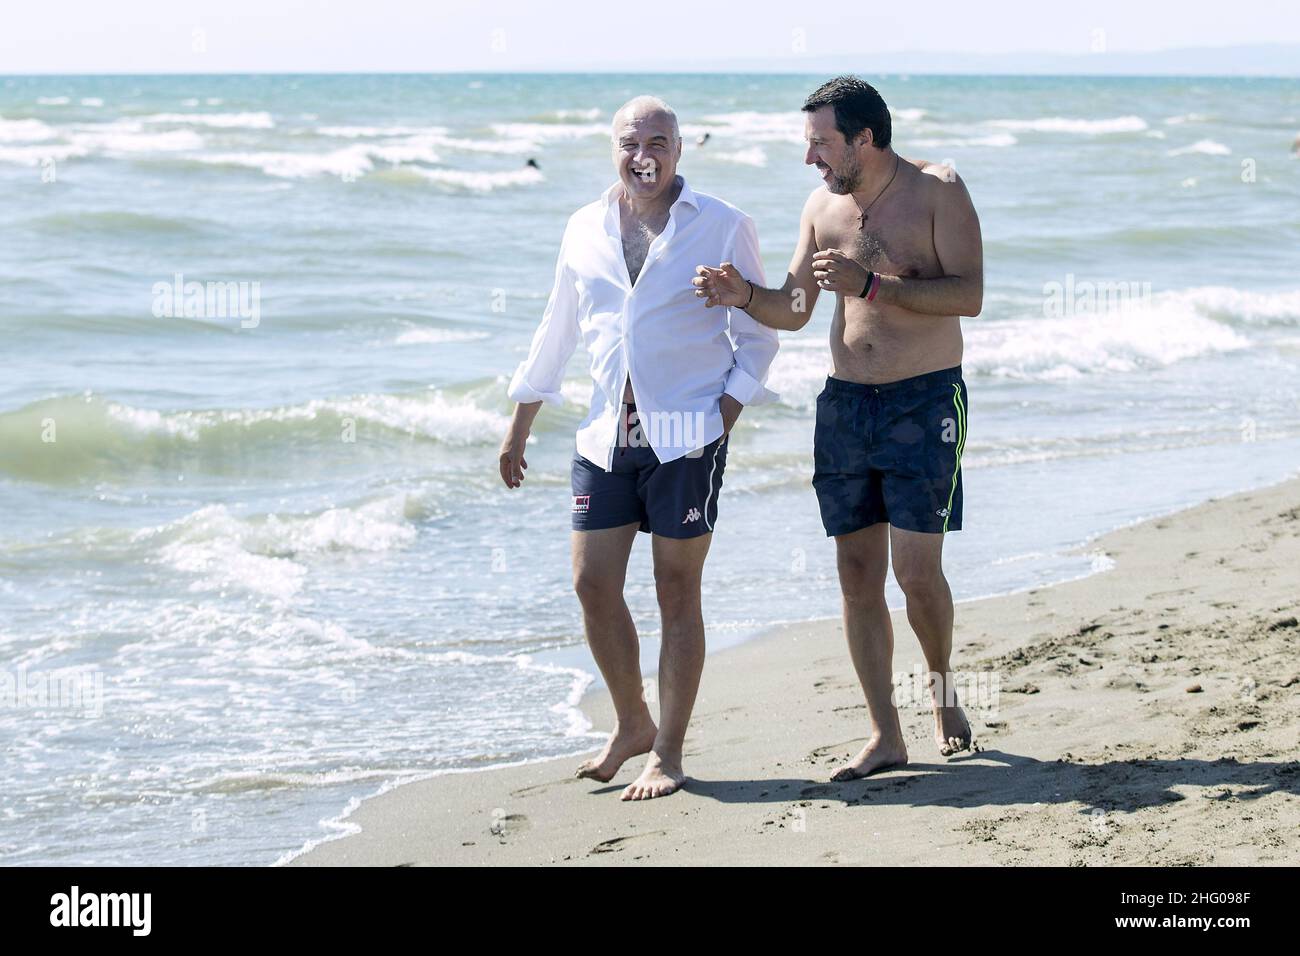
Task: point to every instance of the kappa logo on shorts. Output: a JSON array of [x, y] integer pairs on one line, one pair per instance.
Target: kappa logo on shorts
[[581, 504], [943, 512], [692, 515]]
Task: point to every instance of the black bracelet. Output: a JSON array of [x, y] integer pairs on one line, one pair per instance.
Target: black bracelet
[[751, 296], [866, 288]]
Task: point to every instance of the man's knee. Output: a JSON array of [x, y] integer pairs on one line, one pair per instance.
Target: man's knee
[[678, 590], [920, 580], [597, 587], [862, 572]]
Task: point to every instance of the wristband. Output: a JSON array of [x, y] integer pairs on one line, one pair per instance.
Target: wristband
[[875, 286], [871, 277], [751, 296]]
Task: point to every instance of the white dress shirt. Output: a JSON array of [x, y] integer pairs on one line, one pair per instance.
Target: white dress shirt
[[679, 355]]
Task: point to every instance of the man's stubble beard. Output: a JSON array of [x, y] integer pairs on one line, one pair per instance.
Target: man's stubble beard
[[842, 184]]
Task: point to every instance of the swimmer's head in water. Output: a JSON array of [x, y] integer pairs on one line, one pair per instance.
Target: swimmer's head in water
[[844, 117], [647, 145]]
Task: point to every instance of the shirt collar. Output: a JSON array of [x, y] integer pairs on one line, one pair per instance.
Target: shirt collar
[[687, 195]]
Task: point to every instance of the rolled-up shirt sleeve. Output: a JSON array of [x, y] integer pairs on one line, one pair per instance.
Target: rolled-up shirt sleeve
[[755, 343], [539, 376]]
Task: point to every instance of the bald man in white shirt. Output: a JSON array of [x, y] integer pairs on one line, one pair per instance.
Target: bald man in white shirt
[[671, 377]]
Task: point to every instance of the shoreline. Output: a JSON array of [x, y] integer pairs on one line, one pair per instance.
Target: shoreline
[[417, 818]]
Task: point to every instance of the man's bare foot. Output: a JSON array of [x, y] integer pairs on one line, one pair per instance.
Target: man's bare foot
[[622, 744], [876, 755], [659, 778], [951, 730]]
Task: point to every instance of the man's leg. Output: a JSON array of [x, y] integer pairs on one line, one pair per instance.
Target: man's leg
[[679, 564], [918, 568], [863, 559], [599, 569]]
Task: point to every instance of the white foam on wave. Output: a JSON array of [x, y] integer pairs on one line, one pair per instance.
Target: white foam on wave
[[426, 336], [1084, 127], [570, 115], [35, 155], [453, 420], [785, 126], [1168, 327], [128, 137], [546, 132], [799, 370], [53, 100], [375, 132], [513, 146], [991, 141], [257, 120], [111, 139], [1126, 339], [476, 181], [417, 149], [754, 156], [1206, 146], [267, 554], [350, 161], [1238, 306], [25, 131]]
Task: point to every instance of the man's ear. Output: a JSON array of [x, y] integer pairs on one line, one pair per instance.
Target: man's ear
[[865, 138]]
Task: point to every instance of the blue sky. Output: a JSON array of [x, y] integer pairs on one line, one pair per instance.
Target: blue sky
[[93, 36]]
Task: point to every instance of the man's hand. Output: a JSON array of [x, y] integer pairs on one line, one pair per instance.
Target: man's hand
[[721, 286], [512, 461], [837, 272], [731, 410]]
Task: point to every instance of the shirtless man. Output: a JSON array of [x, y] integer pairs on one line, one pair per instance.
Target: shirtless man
[[898, 242]]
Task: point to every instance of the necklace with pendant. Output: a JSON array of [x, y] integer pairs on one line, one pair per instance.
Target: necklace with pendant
[[863, 215]]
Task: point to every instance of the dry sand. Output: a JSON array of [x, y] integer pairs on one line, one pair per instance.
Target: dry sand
[[1149, 714]]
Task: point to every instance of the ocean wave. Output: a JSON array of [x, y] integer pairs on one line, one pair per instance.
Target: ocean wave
[[258, 120], [266, 554], [111, 139], [25, 131], [111, 222], [427, 336], [513, 146], [375, 132], [568, 116], [545, 132], [34, 155], [754, 156], [1207, 146], [117, 139], [73, 438], [785, 126], [1126, 339], [475, 181], [1238, 306], [352, 161], [1167, 327], [1084, 127], [992, 141]]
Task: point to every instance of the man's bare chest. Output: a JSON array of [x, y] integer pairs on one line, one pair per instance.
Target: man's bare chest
[[637, 237], [897, 243]]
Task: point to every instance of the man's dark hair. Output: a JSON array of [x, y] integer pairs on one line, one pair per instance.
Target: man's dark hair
[[858, 106]]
